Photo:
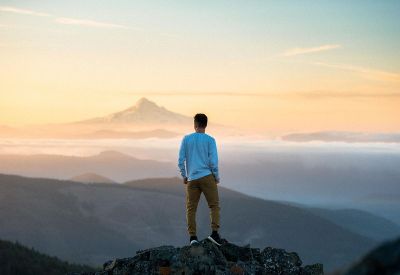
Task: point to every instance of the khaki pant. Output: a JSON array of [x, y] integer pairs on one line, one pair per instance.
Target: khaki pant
[[194, 188]]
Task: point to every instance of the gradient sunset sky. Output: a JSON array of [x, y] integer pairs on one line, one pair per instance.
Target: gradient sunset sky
[[279, 66]]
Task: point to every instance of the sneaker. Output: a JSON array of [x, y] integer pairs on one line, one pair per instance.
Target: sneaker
[[215, 238], [193, 240]]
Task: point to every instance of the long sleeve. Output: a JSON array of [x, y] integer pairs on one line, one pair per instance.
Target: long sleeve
[[213, 158], [182, 159]]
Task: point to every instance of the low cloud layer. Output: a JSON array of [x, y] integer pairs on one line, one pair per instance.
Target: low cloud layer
[[363, 71], [343, 137]]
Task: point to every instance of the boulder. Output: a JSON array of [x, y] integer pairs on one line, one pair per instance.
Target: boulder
[[208, 258]]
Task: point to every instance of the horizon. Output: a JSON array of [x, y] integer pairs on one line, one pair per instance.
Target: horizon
[[327, 69], [254, 134], [97, 99]]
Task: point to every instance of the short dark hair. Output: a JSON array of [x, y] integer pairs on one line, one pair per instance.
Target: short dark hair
[[201, 120]]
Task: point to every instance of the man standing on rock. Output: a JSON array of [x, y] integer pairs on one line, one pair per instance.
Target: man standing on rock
[[198, 151]]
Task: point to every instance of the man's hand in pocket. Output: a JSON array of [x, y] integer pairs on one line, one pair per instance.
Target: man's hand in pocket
[[216, 181]]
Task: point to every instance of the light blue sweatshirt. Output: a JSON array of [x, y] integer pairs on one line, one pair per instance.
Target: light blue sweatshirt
[[199, 152]]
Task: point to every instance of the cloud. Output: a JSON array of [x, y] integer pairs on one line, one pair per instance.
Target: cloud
[[65, 20], [363, 71], [342, 136], [23, 11], [299, 51], [333, 94], [88, 23]]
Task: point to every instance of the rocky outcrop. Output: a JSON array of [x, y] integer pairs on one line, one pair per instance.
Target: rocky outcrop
[[208, 258]]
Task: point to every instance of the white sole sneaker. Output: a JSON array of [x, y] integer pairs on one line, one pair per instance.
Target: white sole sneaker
[[194, 242], [214, 241]]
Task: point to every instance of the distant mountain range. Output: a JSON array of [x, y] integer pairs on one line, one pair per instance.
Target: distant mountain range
[[110, 164], [90, 223], [142, 120], [91, 178], [360, 222], [353, 181]]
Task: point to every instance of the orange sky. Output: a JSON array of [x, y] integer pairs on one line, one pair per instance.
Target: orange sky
[[59, 64]]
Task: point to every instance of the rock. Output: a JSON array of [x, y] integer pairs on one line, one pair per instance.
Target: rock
[[208, 258], [385, 259]]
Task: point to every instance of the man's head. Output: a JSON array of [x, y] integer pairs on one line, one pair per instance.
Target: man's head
[[200, 121]]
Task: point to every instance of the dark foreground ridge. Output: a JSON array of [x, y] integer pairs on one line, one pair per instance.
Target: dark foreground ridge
[[385, 259], [208, 258]]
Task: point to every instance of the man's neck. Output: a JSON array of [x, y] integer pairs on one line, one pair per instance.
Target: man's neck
[[200, 131]]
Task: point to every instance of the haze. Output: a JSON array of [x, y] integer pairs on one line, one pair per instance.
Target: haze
[[269, 67], [302, 98]]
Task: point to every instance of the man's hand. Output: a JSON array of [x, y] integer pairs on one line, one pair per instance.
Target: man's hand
[[185, 180], [216, 180]]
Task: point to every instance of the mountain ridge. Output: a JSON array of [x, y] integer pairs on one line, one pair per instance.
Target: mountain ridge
[[111, 220], [109, 163], [92, 178]]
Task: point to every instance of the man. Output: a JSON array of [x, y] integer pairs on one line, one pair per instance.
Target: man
[[198, 151]]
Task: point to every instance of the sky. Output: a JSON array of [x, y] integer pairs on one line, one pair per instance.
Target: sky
[[277, 66]]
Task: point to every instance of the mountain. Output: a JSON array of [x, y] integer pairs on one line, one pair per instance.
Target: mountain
[[367, 180], [111, 164], [41, 215], [143, 112], [354, 220], [91, 178], [144, 119], [207, 258], [360, 222], [91, 223], [18, 259], [150, 118], [312, 180]]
